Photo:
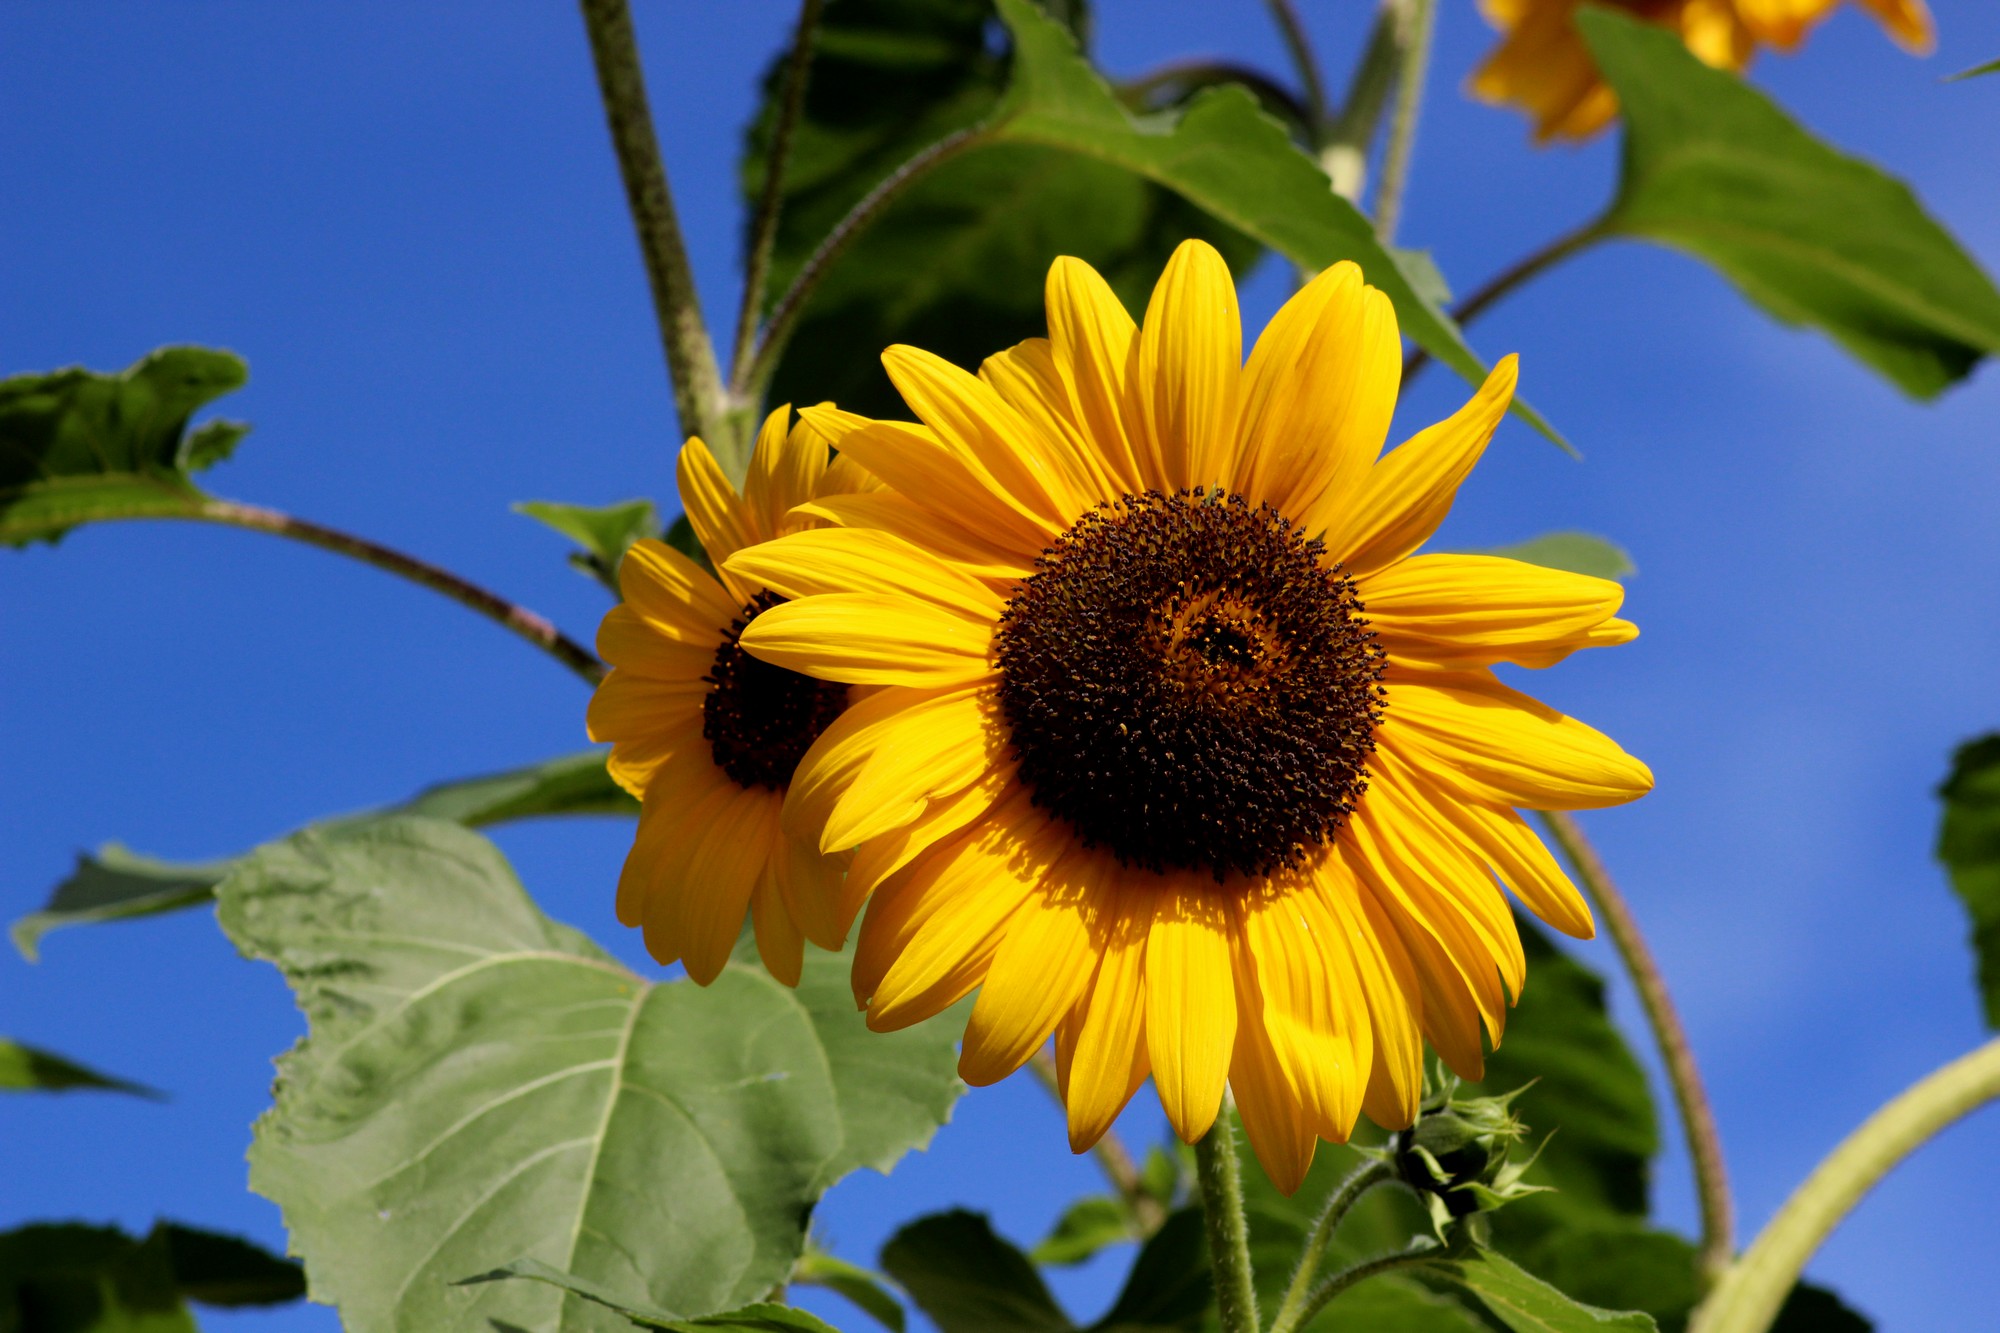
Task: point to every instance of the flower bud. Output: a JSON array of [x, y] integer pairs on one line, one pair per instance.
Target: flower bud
[[1457, 1155]]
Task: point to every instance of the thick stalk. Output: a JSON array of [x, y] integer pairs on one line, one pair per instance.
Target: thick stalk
[[1750, 1294], [1113, 1157], [535, 629], [1291, 1312], [1343, 155], [697, 382], [764, 229], [1299, 46], [1221, 1179], [1419, 20], [1711, 1180], [1324, 1293], [1514, 275]]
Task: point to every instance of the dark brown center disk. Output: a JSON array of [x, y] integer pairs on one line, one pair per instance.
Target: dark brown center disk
[[760, 719], [1189, 684]]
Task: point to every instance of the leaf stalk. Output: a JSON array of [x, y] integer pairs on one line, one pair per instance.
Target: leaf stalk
[[1292, 1310], [1416, 23]]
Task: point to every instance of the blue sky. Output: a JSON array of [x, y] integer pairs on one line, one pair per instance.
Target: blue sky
[[407, 219]]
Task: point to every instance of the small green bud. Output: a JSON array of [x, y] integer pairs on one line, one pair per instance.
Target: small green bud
[[1457, 1155]]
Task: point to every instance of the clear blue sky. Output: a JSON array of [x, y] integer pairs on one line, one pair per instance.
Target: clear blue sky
[[407, 219]]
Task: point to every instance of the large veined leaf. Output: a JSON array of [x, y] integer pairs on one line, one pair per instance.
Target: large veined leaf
[[114, 884], [64, 1277], [480, 1085], [31, 1069], [76, 445], [1526, 1304], [1969, 846], [1714, 168]]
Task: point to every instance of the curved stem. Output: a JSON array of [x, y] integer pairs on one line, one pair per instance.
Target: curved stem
[[1291, 1312], [1419, 20], [1322, 1295], [1511, 277], [1711, 1179], [1293, 29], [1750, 1294], [764, 231], [1112, 1156], [535, 629], [697, 382], [785, 315], [1343, 155], [1221, 1177]]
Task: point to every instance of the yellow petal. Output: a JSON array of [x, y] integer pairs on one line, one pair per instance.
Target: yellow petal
[[809, 885], [780, 944], [1187, 383], [1408, 493], [669, 822], [698, 911], [1092, 339], [963, 545], [640, 647], [786, 470], [1450, 1011], [717, 513], [1389, 981], [1908, 21], [852, 560], [1315, 1011], [1479, 609], [1280, 1132], [1027, 378], [1106, 1063], [880, 857], [1040, 969], [836, 757], [867, 639], [674, 596], [646, 730], [926, 751], [1190, 1000]]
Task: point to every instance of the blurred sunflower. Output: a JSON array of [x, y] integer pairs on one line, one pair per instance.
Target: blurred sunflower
[[1543, 66], [707, 736], [1179, 752]]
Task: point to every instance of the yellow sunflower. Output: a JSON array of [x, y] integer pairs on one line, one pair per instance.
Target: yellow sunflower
[[705, 735], [1178, 751], [1543, 66]]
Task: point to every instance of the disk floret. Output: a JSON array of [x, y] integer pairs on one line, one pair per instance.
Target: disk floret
[[760, 719]]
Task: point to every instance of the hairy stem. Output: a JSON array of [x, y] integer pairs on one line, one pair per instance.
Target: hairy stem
[[1419, 20], [1113, 1157], [764, 229], [1291, 1312], [1750, 1294], [1322, 1295], [1221, 1178], [1718, 1225], [1343, 154], [534, 628], [1508, 279], [697, 382], [1299, 46]]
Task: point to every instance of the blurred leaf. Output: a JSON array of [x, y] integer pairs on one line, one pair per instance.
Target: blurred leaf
[[1525, 1303], [70, 1278], [1222, 153], [1713, 167], [1618, 1263], [869, 1291], [1169, 1285], [1969, 846], [1577, 552], [1161, 1175], [117, 885], [30, 1069], [76, 445], [1990, 67], [957, 265], [969, 1280], [480, 1085], [763, 1317], [604, 533], [1811, 1309], [1086, 1226]]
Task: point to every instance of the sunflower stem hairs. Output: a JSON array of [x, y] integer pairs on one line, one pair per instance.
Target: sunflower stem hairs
[[707, 736], [1178, 751]]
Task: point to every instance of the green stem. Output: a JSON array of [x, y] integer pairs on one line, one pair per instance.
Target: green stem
[[1292, 1311], [697, 381], [1750, 1294], [764, 230], [534, 628], [1419, 21], [1711, 1178], [1180, 78], [1343, 154], [1322, 1295], [1113, 1157], [1221, 1178], [1293, 29], [1513, 276]]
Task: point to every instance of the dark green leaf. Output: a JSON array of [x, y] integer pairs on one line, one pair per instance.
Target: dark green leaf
[[1169, 1285], [1577, 552], [1086, 1226], [1969, 846], [1990, 67], [969, 1280], [30, 1069], [116, 885], [480, 1085], [1161, 1175], [1715, 168], [1525, 1303], [76, 445], [763, 1317], [869, 1291], [71, 1278], [604, 533], [227, 1271], [1618, 1263], [1811, 1309]]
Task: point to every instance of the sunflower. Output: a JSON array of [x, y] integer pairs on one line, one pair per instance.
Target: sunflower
[[1543, 66], [1178, 752], [707, 736]]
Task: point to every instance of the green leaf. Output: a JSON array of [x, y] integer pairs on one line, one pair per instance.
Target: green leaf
[[1969, 846], [762, 1317], [117, 885], [70, 1278], [605, 533], [30, 1069], [869, 1291], [1169, 1285], [481, 1085], [1990, 67], [1225, 155], [1577, 552], [1086, 1226], [1713, 167], [76, 445], [1525, 1303], [969, 1280]]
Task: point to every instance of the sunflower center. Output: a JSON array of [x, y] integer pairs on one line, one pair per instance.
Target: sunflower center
[[760, 719], [1188, 683]]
